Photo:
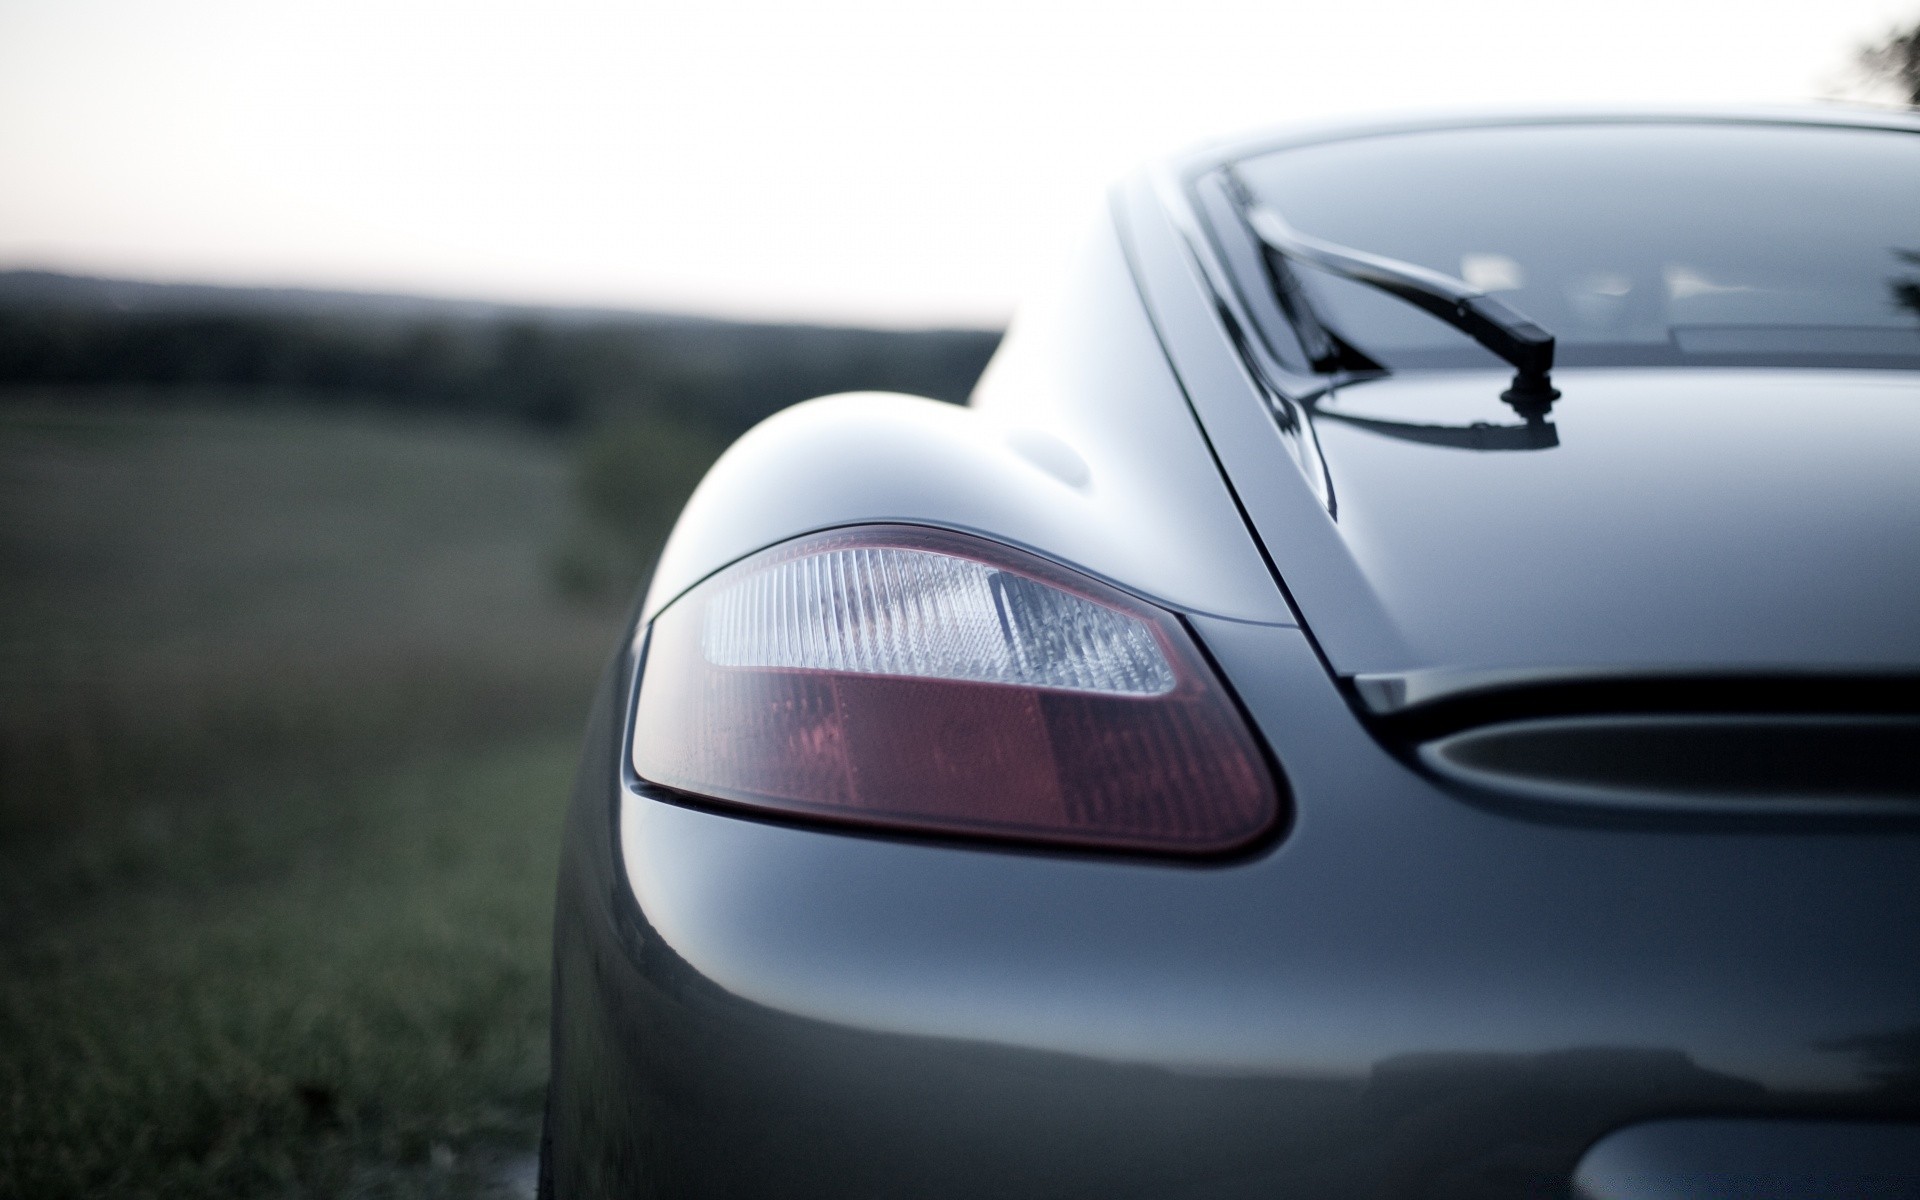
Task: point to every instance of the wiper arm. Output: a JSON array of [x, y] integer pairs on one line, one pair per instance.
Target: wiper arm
[[1486, 320]]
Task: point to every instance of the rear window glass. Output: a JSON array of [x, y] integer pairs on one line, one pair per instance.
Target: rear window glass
[[1635, 243]]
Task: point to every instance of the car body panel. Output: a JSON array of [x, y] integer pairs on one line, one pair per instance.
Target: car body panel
[[1809, 1160], [808, 1013], [1696, 518], [1076, 445], [1686, 519], [1275, 468]]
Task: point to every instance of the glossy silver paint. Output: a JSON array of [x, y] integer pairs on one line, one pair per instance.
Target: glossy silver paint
[[1418, 990]]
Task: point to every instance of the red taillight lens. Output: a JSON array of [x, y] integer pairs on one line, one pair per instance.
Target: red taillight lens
[[918, 679]]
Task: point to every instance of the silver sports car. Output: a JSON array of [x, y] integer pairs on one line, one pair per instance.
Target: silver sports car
[[1403, 681]]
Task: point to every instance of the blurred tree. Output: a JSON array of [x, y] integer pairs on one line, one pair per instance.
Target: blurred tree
[[1895, 60], [548, 368], [634, 477], [630, 482]]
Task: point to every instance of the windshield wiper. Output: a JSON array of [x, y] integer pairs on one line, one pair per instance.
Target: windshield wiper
[[1536, 434], [1486, 320]]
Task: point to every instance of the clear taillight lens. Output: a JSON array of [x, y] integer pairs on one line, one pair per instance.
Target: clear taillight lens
[[917, 679]]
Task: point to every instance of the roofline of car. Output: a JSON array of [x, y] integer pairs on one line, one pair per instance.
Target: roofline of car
[[1234, 149]]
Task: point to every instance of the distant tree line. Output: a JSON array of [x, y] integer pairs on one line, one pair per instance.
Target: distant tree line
[[1895, 61], [553, 368]]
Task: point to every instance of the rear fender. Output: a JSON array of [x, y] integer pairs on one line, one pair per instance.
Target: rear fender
[[1078, 445]]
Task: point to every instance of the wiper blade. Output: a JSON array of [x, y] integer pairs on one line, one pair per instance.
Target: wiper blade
[[1536, 434], [1486, 320]]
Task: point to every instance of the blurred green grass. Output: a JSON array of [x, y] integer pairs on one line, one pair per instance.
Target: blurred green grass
[[288, 701], [370, 1019]]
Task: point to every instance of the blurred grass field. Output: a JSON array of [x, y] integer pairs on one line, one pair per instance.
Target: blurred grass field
[[288, 710]]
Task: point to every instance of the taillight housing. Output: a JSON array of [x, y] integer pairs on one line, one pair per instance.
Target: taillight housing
[[915, 679]]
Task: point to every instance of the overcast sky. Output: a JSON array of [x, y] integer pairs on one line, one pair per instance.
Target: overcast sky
[[895, 161]]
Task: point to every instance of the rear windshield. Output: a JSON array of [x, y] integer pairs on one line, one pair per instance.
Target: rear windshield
[[1632, 243]]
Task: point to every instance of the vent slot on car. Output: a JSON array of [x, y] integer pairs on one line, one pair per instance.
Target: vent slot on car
[[1695, 761], [1802, 742]]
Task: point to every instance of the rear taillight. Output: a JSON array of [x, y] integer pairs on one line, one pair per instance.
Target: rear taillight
[[917, 679]]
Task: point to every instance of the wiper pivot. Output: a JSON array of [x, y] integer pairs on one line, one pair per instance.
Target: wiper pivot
[[1486, 320]]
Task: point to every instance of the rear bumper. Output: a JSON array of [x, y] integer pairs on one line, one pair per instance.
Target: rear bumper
[[1408, 994]]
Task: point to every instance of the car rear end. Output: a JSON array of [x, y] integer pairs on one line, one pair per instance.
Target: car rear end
[[1476, 890]]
